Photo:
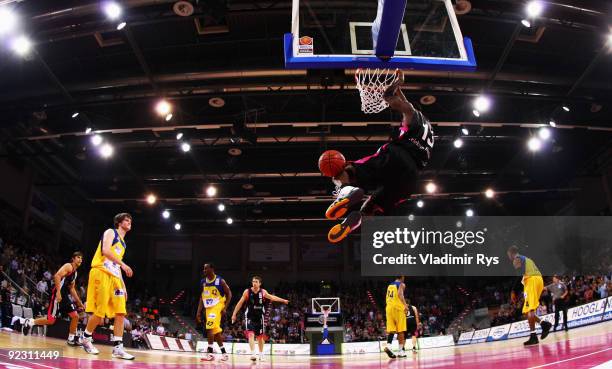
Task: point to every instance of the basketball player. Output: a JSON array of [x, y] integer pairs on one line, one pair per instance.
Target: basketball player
[[396, 310], [60, 302], [533, 285], [413, 322], [254, 314], [389, 175], [106, 294], [216, 296]]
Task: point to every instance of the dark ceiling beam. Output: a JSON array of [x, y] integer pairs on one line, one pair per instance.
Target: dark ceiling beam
[[92, 8], [140, 57], [217, 126], [316, 199]]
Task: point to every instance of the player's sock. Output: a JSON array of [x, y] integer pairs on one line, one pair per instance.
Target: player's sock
[[210, 349], [70, 337], [390, 338], [222, 349], [87, 334]]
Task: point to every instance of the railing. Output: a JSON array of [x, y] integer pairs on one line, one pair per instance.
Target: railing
[[18, 287]]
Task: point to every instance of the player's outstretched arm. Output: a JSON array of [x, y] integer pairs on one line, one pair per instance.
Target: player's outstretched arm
[[271, 297], [244, 297]]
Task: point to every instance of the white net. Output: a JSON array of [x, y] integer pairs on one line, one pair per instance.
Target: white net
[[372, 84]]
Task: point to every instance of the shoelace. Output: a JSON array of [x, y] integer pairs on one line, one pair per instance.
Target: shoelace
[[336, 192]]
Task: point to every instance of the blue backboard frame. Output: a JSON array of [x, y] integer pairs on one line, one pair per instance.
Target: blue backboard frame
[[363, 61]]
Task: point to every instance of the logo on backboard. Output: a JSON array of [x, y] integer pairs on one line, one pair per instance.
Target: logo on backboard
[[305, 45]]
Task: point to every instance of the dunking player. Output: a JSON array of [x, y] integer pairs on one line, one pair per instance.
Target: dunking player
[[390, 174], [216, 296], [413, 322], [60, 301], [255, 313], [533, 285], [396, 315], [106, 293]]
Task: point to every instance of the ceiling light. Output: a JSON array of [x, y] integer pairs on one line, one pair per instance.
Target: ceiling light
[[566, 108], [106, 151], [431, 187], [177, 226], [526, 23], [121, 26], [465, 131], [185, 147], [229, 220], [469, 213], [420, 203], [458, 143], [221, 207], [151, 199], [552, 123], [489, 193], [21, 45], [87, 130], [534, 144], [163, 108], [179, 135], [476, 113], [75, 114], [8, 20], [211, 191], [544, 133], [482, 104], [534, 8], [112, 10], [168, 117], [96, 140], [166, 214]]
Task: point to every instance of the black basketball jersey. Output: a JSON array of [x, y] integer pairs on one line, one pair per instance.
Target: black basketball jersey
[[417, 136], [410, 315], [67, 281], [255, 304]]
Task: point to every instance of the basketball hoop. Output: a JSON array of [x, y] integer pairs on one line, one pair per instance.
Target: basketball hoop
[[372, 84]]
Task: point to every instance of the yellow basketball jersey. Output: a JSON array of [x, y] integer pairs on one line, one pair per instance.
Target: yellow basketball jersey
[[212, 292], [101, 262], [393, 298]]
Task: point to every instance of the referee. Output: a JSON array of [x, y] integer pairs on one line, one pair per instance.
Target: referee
[[559, 293]]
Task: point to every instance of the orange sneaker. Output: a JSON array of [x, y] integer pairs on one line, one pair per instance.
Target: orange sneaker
[[347, 197], [340, 231]]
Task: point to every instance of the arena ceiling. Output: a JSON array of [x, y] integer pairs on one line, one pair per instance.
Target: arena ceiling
[[279, 121]]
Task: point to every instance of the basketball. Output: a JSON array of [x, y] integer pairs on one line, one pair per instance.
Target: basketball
[[331, 163]]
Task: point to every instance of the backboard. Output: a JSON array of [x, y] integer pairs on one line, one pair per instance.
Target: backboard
[[405, 34], [330, 303]]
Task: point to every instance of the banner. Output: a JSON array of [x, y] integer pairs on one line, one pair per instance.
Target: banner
[[437, 341], [519, 329], [289, 349], [608, 313], [465, 338], [480, 335], [361, 347], [499, 333], [586, 314], [155, 342], [186, 345]]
